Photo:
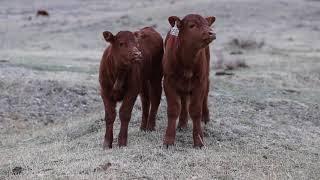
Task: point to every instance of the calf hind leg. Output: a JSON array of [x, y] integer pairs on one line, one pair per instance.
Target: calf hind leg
[[205, 110], [145, 108], [183, 118], [155, 97]]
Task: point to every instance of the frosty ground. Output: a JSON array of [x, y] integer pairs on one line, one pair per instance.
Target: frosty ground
[[265, 119]]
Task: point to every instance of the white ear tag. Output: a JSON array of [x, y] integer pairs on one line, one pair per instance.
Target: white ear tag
[[174, 30]]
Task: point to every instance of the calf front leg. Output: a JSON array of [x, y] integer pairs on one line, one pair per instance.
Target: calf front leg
[[155, 98], [110, 116], [195, 109], [173, 111], [125, 115]]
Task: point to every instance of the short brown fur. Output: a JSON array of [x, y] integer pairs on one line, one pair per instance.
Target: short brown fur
[[131, 65], [186, 64]]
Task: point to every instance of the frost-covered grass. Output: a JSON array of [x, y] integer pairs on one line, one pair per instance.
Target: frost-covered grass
[[265, 119]]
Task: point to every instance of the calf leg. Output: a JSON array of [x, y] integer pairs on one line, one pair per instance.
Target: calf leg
[[145, 107], [195, 110], [155, 96], [173, 111], [125, 115], [110, 116], [205, 110], [183, 118]]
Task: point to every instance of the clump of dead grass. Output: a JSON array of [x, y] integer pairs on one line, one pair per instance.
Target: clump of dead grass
[[246, 43]]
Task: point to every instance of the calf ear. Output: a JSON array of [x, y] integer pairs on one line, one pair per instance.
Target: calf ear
[[211, 20], [139, 35], [108, 36], [174, 20]]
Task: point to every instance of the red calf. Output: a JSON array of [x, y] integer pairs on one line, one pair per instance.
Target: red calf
[[186, 64], [131, 65]]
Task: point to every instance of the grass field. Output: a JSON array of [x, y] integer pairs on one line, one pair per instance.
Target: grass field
[[265, 119]]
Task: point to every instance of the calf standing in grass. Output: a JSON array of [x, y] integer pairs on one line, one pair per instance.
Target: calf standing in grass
[[186, 64], [131, 65]]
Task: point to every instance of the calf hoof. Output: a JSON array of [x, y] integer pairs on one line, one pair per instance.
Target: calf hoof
[[107, 145], [122, 145], [199, 147], [143, 126], [198, 142], [122, 142], [183, 122], [168, 146], [168, 142], [182, 127], [205, 119], [151, 128]]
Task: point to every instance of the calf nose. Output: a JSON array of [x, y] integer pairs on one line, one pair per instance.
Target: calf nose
[[209, 33], [135, 49], [136, 53], [212, 34]]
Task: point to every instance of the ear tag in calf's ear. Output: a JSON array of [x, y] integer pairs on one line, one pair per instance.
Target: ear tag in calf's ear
[[174, 31]]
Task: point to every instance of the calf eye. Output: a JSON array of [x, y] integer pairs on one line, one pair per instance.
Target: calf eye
[[121, 44], [191, 26]]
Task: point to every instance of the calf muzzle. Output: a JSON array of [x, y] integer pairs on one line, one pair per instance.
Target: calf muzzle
[[136, 55], [212, 35]]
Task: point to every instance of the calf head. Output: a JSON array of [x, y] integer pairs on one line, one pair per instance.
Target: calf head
[[194, 30], [124, 47]]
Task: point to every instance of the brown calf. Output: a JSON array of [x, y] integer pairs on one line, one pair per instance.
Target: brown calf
[[186, 74], [131, 65]]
